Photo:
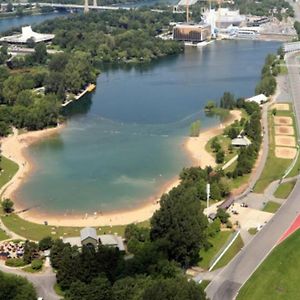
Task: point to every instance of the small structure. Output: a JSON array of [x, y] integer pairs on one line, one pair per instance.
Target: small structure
[[26, 35], [259, 99], [111, 240], [88, 236], [241, 141]]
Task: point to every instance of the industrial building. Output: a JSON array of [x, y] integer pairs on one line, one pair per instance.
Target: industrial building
[[193, 33], [26, 35]]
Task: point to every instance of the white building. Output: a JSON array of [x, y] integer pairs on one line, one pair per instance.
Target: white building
[[27, 34], [241, 141], [223, 18], [259, 99]]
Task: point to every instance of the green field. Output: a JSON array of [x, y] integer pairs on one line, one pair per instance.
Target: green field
[[278, 276], [217, 242], [234, 249], [271, 207], [3, 235], [275, 167], [9, 169], [285, 189], [36, 232]]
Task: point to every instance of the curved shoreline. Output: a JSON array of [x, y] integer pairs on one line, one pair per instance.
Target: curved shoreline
[[13, 147]]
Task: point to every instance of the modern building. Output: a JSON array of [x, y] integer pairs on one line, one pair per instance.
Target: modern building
[[223, 18], [193, 33], [88, 237], [26, 35], [259, 99]]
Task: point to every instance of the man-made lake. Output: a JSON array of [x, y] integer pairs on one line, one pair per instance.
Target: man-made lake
[[123, 142]]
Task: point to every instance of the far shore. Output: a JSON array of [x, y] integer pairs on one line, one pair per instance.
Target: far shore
[[13, 147]]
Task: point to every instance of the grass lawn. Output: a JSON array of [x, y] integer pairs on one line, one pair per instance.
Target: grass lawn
[[30, 270], [9, 169], [36, 232], [271, 207], [217, 242], [285, 189], [283, 67], [58, 290], [296, 169], [204, 283], [278, 276], [275, 167], [3, 235], [252, 230], [237, 245]]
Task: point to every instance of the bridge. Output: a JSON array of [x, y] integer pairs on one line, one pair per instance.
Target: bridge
[[86, 7]]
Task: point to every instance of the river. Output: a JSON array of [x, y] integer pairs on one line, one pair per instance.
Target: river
[[124, 141]]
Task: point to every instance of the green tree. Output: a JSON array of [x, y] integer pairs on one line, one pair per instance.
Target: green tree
[[45, 243], [175, 289], [180, 225], [7, 205], [220, 157], [40, 54], [222, 215]]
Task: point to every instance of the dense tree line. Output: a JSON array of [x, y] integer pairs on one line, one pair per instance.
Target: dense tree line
[[15, 288], [277, 8], [116, 36], [267, 84]]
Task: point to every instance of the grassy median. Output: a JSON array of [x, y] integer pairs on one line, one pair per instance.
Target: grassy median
[[284, 189], [9, 169]]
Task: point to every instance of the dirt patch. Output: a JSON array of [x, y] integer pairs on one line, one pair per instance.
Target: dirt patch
[[283, 120], [284, 152], [284, 130], [282, 140], [281, 106]]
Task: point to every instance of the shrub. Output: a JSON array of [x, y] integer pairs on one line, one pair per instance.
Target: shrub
[[15, 262], [37, 264]]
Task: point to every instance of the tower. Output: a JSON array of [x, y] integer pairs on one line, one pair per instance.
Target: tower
[[95, 2], [86, 6], [187, 11]]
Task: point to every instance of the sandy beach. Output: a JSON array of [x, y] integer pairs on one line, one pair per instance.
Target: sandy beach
[[13, 147]]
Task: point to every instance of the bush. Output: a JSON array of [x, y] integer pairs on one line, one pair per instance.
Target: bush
[[45, 243], [7, 205], [37, 264], [15, 262], [222, 215]]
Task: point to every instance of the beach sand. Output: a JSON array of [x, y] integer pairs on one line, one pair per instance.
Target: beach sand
[[13, 147]]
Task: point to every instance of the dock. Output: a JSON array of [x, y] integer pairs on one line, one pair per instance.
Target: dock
[[88, 89]]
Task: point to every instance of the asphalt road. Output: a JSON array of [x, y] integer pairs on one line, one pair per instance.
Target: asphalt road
[[43, 282], [226, 284]]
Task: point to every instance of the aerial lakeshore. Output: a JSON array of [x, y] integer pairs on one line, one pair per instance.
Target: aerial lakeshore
[[14, 147], [177, 177]]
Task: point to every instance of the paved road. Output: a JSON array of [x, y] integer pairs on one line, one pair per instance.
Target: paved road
[[226, 284], [43, 282]]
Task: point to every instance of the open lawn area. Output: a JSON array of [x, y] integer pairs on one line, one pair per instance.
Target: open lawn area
[[275, 167], [9, 169], [217, 242], [3, 235], [278, 276], [271, 207], [284, 189], [237, 245], [36, 232]]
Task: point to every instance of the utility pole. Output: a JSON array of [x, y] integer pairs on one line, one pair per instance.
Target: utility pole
[[207, 195]]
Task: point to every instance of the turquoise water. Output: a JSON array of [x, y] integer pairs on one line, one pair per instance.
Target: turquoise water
[[124, 141]]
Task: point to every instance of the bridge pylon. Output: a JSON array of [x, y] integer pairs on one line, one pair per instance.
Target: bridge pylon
[[95, 2], [86, 6]]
